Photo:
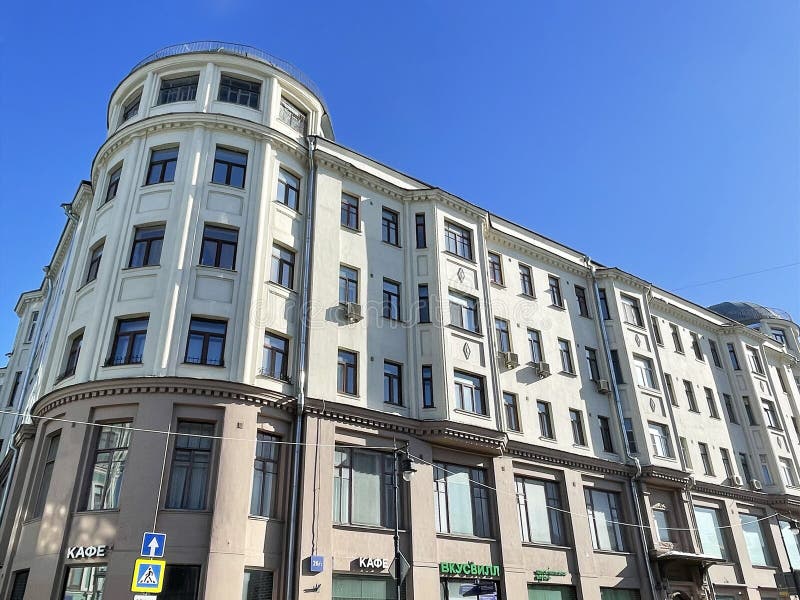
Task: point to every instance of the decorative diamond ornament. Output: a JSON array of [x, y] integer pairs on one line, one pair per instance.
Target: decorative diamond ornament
[[467, 350], [461, 274]]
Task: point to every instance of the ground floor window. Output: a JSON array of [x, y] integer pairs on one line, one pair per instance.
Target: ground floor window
[[551, 592], [85, 582], [257, 585], [476, 589], [181, 582], [618, 594], [20, 583], [350, 587]]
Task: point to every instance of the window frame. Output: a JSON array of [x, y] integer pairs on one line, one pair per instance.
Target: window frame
[[391, 308], [544, 413], [420, 230], [166, 167], [206, 339], [265, 463], [535, 345], [133, 337], [553, 507], [239, 85], [631, 311], [578, 429], [617, 541], [350, 208], [282, 266], [94, 259], [214, 235], [606, 437], [151, 239], [467, 305], [73, 355], [45, 473], [182, 88], [230, 167], [273, 356], [583, 302], [511, 412], [112, 185], [427, 386], [90, 480], [291, 189], [478, 495], [495, 264], [660, 440], [390, 226], [207, 431], [344, 471], [502, 329], [347, 371], [464, 380], [677, 342], [349, 279], [458, 240], [526, 281], [565, 353], [424, 304], [554, 289], [291, 115], [393, 383]]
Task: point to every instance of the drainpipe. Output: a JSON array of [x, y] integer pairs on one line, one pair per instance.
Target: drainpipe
[[620, 421], [302, 357]]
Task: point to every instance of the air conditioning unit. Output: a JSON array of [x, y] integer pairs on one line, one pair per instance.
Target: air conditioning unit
[[509, 359], [736, 480], [602, 386], [755, 484], [666, 545], [542, 368], [352, 311]]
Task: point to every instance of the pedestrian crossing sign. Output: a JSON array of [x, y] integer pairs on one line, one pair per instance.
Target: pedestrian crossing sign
[[148, 575]]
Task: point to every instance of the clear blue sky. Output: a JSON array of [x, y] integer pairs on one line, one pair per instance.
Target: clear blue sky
[[660, 137]]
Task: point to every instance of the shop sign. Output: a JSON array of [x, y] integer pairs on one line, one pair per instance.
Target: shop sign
[[78, 552], [469, 569], [546, 574], [365, 562]]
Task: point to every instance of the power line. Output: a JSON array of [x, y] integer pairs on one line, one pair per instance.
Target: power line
[[768, 269]]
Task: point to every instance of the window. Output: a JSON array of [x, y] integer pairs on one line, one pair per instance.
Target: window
[[766, 474], [687, 457], [348, 285], [541, 519], [347, 373], [131, 109], [495, 269], [748, 409], [427, 386], [728, 401], [791, 541], [205, 344], [113, 184], [526, 280], [469, 393], [181, 582], [95, 256], [239, 91], [747, 475], [617, 367], [576, 421], [129, 341], [631, 313], [605, 434], [292, 116], [698, 353], [591, 362], [787, 472], [162, 165], [545, 420], [48, 464], [754, 360], [32, 326], [352, 587], [605, 516], [12, 397], [458, 240], [734, 359], [643, 369], [276, 356], [676, 338], [363, 487], [756, 541], [392, 383], [712, 404], [535, 343], [662, 525], [601, 294], [288, 189], [689, 389], [282, 271], [420, 232], [265, 475], [554, 288], [779, 335], [229, 167], [390, 227], [219, 247], [708, 468], [461, 500], [19, 585], [191, 463], [782, 380], [349, 211], [670, 389], [257, 585], [85, 582], [583, 305], [619, 594], [566, 357], [424, 304], [178, 89], [657, 331], [512, 411], [630, 435], [147, 243], [659, 440], [712, 345], [726, 462], [503, 335], [72, 355], [391, 300], [771, 414], [110, 457], [712, 541], [464, 312]]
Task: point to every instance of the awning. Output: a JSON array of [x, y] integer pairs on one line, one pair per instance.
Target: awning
[[702, 560]]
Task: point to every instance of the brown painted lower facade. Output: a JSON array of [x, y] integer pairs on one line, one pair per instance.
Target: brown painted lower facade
[[473, 525]]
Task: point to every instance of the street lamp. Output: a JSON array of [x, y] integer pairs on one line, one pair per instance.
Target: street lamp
[[403, 466], [794, 528]]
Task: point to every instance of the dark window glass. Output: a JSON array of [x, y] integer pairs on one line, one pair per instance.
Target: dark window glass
[[545, 420], [422, 236], [191, 464], [458, 240], [631, 313], [19, 585], [670, 390], [288, 189], [390, 227], [464, 312], [728, 401], [657, 331], [48, 464], [162, 166], [535, 343], [615, 364], [147, 244], [576, 421], [219, 247], [698, 353], [748, 409], [714, 353], [282, 271], [265, 476], [526, 280], [229, 167], [131, 109], [205, 344], [292, 116], [747, 475], [85, 583], [113, 184], [495, 269], [239, 91], [32, 326], [181, 582], [755, 360], [12, 397], [427, 386], [350, 211], [94, 262], [554, 285], [734, 358], [601, 294], [391, 300], [347, 373], [605, 434], [690, 398], [503, 335], [566, 356], [676, 338], [726, 462], [541, 518], [129, 341], [257, 585], [110, 457], [591, 361], [512, 413], [469, 393], [771, 414], [583, 305], [392, 383], [708, 469], [630, 435], [712, 403], [72, 356], [424, 304], [276, 356], [348, 285], [363, 487], [605, 517], [178, 89], [462, 502]]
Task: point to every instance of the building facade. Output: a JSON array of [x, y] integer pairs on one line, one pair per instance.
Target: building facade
[[244, 320]]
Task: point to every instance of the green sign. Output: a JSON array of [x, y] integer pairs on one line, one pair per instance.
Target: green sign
[[546, 574], [469, 569]]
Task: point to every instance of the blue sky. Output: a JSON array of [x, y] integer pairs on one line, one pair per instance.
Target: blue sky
[[663, 138]]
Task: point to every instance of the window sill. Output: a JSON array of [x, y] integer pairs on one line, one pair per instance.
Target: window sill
[[385, 243], [464, 536], [269, 376], [98, 511], [348, 395], [202, 364], [557, 307], [526, 296], [264, 519], [158, 184], [681, 352], [281, 287], [667, 458], [544, 438], [586, 317], [395, 405], [613, 552], [370, 528], [350, 229], [217, 269], [636, 326], [471, 414], [130, 364], [568, 374], [545, 545], [86, 286], [476, 333], [153, 267], [288, 210], [224, 186], [647, 388], [765, 567], [193, 511], [498, 284], [464, 258], [105, 204], [694, 410]]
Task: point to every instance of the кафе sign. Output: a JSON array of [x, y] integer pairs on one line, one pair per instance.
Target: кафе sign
[[79, 552]]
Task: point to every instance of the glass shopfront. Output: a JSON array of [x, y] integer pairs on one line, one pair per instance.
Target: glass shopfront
[[471, 590], [85, 582], [353, 587], [551, 592]]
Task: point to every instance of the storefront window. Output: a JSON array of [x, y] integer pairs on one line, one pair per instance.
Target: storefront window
[[85, 583], [604, 519], [618, 594], [756, 540], [540, 516], [551, 592], [363, 487], [711, 538], [471, 590], [349, 587], [461, 500], [257, 585]]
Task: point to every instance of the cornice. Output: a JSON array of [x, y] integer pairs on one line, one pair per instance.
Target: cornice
[[353, 173], [536, 252], [566, 459], [662, 475]]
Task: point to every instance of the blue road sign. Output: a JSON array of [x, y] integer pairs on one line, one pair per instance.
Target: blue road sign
[[153, 544], [148, 575], [316, 564]]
